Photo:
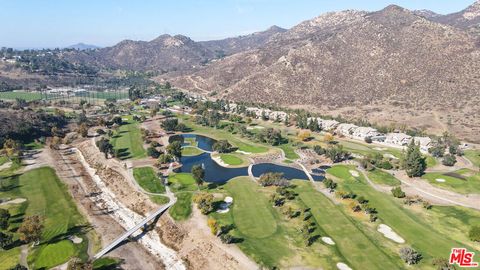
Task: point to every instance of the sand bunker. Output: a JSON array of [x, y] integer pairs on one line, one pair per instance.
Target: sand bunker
[[441, 180], [243, 152], [225, 205], [354, 173], [255, 127], [390, 234], [328, 240], [342, 266], [75, 239], [14, 201]]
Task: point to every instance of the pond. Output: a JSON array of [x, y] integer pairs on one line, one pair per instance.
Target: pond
[[219, 174]]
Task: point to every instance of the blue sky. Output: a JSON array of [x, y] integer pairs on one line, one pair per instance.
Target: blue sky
[[48, 23]]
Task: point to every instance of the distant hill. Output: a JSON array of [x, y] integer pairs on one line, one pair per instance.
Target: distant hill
[[391, 65], [168, 53], [234, 45], [82, 46]]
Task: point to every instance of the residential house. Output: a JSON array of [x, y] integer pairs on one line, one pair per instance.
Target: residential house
[[425, 143], [346, 129], [400, 139], [364, 132]]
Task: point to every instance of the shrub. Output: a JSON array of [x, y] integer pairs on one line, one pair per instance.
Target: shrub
[[442, 264], [398, 193], [204, 202], [474, 233], [330, 184], [362, 200], [319, 150], [152, 151], [449, 160], [368, 139], [410, 256], [227, 238], [222, 146], [273, 179], [213, 225]]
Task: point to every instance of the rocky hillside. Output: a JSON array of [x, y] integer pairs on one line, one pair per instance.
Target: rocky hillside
[[234, 45], [387, 65], [468, 18]]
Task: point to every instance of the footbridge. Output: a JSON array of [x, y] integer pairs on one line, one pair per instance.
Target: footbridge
[[135, 228]]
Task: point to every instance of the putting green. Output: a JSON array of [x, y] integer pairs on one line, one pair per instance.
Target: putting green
[[231, 159], [182, 182], [146, 178], [469, 184], [54, 254]]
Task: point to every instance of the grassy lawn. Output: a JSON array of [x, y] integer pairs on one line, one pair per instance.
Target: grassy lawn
[[379, 176], [129, 141], [473, 156], [469, 184], [393, 212], [47, 196], [182, 209], [9, 258], [3, 160], [106, 263], [191, 151], [231, 159], [367, 149], [265, 234], [431, 161], [159, 199], [289, 151], [219, 134], [454, 221], [182, 182], [252, 214], [146, 178], [191, 141]]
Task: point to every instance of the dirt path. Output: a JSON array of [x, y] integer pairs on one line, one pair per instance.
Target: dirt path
[[24, 255]]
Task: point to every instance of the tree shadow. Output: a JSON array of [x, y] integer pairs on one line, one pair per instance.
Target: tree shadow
[[123, 153], [75, 230]]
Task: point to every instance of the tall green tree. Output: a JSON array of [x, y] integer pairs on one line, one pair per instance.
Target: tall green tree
[[175, 149], [198, 174], [414, 162]]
